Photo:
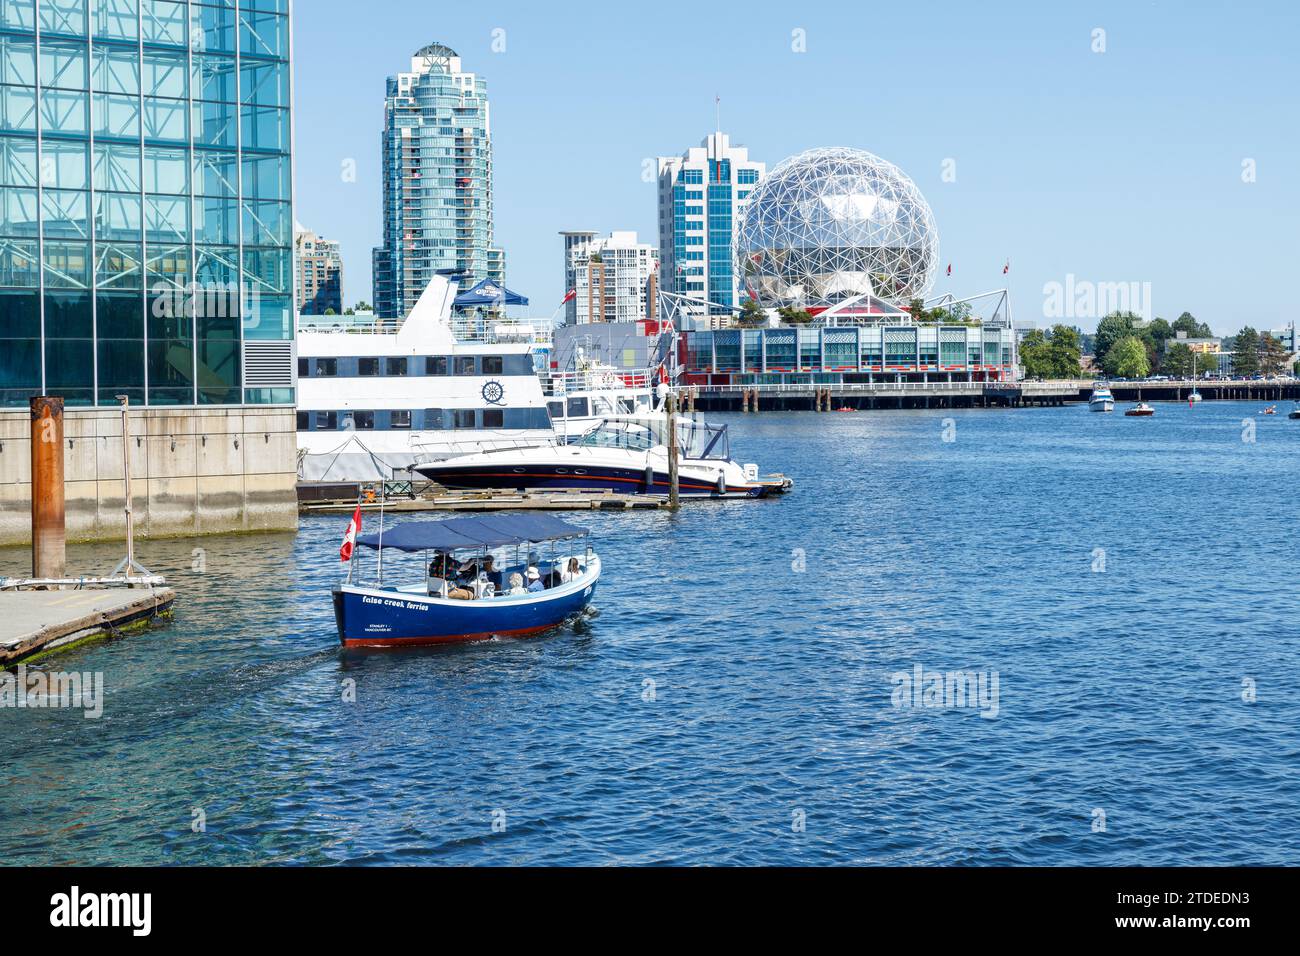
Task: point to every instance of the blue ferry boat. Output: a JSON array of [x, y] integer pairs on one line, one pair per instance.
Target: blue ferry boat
[[485, 578]]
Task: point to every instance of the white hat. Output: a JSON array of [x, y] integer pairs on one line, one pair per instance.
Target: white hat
[[533, 574]]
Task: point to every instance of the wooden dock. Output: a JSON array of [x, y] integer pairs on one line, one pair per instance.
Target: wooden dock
[[36, 622]]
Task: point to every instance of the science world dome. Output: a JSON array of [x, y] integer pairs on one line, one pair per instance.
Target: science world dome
[[833, 223]]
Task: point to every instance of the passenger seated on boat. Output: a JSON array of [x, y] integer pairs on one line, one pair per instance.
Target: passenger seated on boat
[[461, 593], [535, 580], [572, 571], [483, 587], [517, 584]]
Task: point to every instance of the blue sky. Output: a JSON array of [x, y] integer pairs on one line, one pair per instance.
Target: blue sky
[[1119, 166]]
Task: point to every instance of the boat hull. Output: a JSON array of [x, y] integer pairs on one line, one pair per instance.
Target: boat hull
[[1101, 405], [371, 617], [592, 478]]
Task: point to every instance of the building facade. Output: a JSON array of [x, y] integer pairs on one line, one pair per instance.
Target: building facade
[[437, 182], [614, 278], [145, 151], [146, 250], [833, 355], [702, 195], [318, 274]]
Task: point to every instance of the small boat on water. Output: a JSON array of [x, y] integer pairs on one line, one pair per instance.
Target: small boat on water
[[1271, 410], [502, 589], [1102, 400], [1295, 411], [1140, 410], [1194, 397]]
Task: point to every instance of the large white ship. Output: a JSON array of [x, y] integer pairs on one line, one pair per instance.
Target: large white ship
[[374, 400]]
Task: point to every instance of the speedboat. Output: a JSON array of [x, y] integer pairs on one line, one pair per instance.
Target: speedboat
[[1194, 397], [1140, 410], [438, 610], [1271, 410], [1295, 411], [626, 453], [1102, 400]]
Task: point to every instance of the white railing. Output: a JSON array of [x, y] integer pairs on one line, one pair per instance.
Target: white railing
[[902, 387], [601, 379]]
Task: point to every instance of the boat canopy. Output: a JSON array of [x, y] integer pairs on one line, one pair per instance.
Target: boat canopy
[[487, 531], [488, 292]]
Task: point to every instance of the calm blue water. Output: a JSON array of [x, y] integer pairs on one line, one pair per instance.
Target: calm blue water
[[1119, 690]]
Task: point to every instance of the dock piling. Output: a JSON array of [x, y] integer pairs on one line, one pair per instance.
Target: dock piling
[[49, 533]]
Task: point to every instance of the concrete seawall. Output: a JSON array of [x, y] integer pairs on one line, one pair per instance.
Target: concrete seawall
[[194, 471]]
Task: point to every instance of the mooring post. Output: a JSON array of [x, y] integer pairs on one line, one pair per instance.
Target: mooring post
[[670, 403], [49, 534], [126, 482]]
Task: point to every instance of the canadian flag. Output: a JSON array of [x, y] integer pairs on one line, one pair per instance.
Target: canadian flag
[[350, 538], [950, 268], [569, 296], [1006, 268]]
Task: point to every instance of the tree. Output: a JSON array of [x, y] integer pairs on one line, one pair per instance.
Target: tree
[[1245, 352], [1127, 358], [1272, 355], [1051, 355], [1187, 323], [789, 313], [1110, 330], [1178, 360], [752, 314]]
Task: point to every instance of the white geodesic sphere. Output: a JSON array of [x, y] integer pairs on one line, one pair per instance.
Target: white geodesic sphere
[[832, 223]]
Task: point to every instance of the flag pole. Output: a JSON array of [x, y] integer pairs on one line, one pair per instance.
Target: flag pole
[[381, 533]]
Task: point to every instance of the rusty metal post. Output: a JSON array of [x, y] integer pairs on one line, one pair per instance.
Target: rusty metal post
[[49, 535]]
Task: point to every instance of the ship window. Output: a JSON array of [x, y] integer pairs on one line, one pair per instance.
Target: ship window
[[303, 368], [395, 366], [361, 421], [327, 421], [367, 366], [304, 421], [578, 408], [435, 365], [556, 409], [464, 418], [493, 418], [401, 418], [492, 365], [433, 418], [464, 365], [327, 366]]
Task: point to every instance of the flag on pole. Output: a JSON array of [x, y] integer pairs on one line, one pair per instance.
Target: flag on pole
[[1006, 268], [569, 296], [950, 268], [350, 538]]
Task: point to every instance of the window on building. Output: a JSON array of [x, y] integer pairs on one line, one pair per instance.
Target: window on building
[[367, 366]]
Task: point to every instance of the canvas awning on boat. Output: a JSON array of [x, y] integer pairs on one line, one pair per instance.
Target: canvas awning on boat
[[486, 531], [488, 292]]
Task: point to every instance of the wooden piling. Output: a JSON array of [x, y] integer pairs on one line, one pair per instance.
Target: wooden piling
[[49, 535]]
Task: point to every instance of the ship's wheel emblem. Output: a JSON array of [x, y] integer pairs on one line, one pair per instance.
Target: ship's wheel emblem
[[493, 393]]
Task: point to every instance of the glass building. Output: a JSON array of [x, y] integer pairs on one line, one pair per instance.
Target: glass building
[[702, 198], [437, 189], [146, 222]]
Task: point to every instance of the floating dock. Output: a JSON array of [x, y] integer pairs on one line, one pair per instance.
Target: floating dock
[[34, 622]]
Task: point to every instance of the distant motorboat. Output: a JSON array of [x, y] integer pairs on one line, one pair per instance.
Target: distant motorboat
[[1102, 400], [1295, 412], [1271, 410], [1193, 398], [1140, 410]]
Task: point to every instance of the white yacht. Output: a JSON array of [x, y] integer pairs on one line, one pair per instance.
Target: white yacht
[[581, 398], [374, 400], [624, 453], [1102, 400]]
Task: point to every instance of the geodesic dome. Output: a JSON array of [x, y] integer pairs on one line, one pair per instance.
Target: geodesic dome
[[834, 222]]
